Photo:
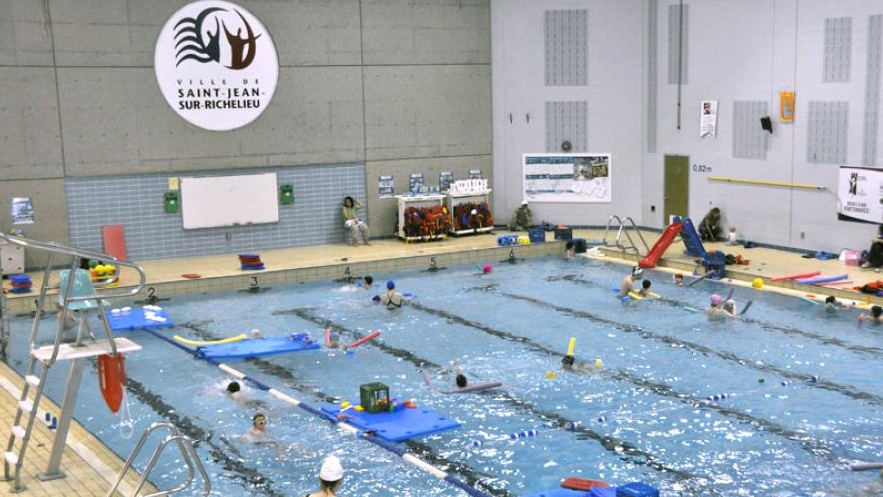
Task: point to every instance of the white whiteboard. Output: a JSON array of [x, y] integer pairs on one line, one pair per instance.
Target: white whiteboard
[[212, 201]]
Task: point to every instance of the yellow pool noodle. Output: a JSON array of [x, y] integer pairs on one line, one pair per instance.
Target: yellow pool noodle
[[198, 343], [571, 346]]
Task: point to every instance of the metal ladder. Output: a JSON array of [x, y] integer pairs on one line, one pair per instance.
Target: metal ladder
[[622, 229], [4, 322], [188, 453], [43, 357]]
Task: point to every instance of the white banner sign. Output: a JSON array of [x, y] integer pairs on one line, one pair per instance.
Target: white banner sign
[[567, 177], [859, 195], [708, 118]]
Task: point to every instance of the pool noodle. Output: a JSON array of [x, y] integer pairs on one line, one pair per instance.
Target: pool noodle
[[839, 282], [697, 280], [363, 339], [747, 305], [327, 336], [466, 389], [571, 345], [862, 466], [825, 279], [796, 276], [197, 343]]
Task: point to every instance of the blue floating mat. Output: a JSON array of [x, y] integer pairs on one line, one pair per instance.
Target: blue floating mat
[[127, 319], [396, 426], [257, 347], [563, 492]]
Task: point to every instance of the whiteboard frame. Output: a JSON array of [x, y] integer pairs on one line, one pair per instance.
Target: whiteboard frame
[[217, 201]]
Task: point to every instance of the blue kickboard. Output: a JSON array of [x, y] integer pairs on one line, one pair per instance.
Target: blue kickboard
[[257, 347], [691, 239], [396, 426], [561, 492], [127, 319]]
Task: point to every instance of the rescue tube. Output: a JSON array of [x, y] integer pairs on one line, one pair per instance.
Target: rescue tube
[[583, 484], [112, 380]]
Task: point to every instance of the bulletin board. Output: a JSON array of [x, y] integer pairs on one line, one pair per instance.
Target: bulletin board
[[567, 177], [212, 201]]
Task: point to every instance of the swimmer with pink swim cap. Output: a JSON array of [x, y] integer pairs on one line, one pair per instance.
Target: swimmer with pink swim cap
[[718, 309]]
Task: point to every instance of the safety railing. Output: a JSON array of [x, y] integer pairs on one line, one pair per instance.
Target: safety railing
[[99, 294], [188, 455], [624, 229]]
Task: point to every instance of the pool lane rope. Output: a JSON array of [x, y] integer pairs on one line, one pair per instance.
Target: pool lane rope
[[342, 425]]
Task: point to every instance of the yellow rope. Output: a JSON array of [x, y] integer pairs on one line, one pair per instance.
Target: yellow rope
[[198, 343], [768, 183]]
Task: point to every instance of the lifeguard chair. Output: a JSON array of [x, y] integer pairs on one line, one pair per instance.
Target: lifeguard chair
[[75, 294]]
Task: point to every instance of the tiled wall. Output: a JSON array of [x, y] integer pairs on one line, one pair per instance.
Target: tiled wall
[[136, 202]]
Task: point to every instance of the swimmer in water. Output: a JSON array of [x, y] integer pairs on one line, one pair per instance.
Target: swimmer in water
[[568, 363], [876, 315], [628, 283], [460, 379], [716, 311]]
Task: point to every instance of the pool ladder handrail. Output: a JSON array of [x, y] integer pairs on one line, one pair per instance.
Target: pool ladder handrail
[[188, 453], [622, 230], [4, 322], [46, 356]]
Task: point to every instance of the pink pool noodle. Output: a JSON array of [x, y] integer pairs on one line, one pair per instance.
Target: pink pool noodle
[[364, 339]]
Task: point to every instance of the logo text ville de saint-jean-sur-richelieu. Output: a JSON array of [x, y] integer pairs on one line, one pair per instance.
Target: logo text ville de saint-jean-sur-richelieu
[[216, 65]]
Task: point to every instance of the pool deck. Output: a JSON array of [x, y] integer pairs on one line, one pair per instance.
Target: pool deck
[[90, 466]]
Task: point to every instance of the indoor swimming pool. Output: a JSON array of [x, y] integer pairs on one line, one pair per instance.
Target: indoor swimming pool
[[778, 403]]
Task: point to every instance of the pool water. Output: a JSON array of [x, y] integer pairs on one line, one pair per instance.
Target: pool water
[[780, 402]]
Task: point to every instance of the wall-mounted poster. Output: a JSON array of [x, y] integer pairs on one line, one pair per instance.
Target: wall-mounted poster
[[386, 186], [22, 210], [786, 106], [708, 118], [859, 195], [567, 177], [415, 182], [445, 178]]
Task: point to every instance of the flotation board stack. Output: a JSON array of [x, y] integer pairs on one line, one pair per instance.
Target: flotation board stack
[[112, 380]]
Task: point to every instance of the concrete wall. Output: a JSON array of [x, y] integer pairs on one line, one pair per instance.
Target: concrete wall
[[404, 86], [613, 92], [397, 86], [735, 52]]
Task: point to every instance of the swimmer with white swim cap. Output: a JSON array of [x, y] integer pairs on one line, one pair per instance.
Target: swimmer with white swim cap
[[628, 283]]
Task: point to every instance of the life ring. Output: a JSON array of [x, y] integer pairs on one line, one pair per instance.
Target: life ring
[[111, 380], [584, 484]]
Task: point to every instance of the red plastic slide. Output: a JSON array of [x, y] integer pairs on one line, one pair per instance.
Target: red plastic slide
[[661, 245]]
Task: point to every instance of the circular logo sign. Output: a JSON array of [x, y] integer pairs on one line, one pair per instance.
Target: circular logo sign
[[216, 65]]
